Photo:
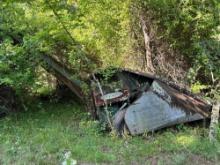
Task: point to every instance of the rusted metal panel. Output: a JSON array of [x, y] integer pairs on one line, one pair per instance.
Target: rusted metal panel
[[150, 113], [183, 101], [153, 111], [64, 75]]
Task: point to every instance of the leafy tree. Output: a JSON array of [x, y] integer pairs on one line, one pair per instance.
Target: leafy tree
[[191, 27], [87, 34]]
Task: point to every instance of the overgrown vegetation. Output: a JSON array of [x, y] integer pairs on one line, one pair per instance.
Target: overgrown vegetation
[[72, 31], [186, 30], [44, 133], [88, 35], [85, 35]]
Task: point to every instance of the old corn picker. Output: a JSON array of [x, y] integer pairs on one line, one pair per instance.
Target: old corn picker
[[131, 100]]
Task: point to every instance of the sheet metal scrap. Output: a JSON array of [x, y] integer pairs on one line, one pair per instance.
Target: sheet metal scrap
[[150, 103], [157, 109], [136, 101]]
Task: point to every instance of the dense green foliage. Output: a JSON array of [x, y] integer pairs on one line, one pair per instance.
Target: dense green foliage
[[27, 30], [93, 34], [70, 30], [192, 28]]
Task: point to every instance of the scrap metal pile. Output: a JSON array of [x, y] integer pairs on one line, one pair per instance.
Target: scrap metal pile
[[135, 101]]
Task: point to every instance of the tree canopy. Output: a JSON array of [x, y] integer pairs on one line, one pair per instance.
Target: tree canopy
[[99, 33]]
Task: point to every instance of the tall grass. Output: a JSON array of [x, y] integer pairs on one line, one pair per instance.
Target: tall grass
[[44, 133]]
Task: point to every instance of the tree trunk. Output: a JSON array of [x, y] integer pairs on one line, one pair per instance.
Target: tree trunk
[[214, 122], [148, 54]]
